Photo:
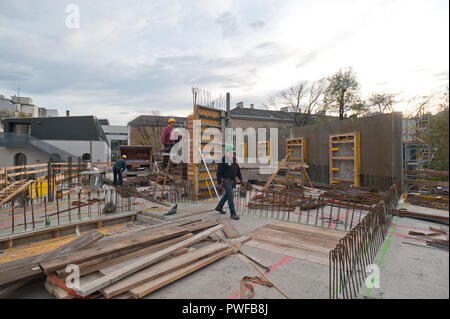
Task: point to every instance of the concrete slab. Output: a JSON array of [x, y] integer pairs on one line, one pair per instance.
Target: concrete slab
[[407, 271], [411, 271]]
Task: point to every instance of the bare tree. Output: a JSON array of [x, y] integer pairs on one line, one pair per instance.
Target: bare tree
[[315, 94], [302, 98], [148, 130], [271, 103], [382, 102], [417, 106]]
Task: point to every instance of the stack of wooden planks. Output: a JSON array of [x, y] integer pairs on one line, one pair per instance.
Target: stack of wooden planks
[[305, 242], [129, 264], [436, 216]]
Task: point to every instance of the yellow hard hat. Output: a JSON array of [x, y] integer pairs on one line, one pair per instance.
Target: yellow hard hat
[[171, 120], [124, 156]]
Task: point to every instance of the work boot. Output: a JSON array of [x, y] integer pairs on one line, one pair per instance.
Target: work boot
[[236, 217], [220, 211]]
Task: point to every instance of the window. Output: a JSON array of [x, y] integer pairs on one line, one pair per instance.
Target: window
[[20, 159]]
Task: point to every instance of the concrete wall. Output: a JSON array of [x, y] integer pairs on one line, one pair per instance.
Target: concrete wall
[[283, 130], [100, 152], [380, 143], [33, 157], [100, 149]]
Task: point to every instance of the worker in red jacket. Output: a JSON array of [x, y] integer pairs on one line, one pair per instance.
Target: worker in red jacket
[[166, 142]]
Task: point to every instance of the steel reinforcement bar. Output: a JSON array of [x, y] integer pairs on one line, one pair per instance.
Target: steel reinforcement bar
[[348, 262]]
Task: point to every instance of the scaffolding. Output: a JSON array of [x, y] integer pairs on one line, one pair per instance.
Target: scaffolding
[[417, 152]]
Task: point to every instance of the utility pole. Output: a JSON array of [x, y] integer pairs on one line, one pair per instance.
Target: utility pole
[[90, 154], [228, 118]]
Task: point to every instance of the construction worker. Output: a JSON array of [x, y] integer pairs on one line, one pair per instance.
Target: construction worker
[[166, 142], [119, 166], [227, 171]]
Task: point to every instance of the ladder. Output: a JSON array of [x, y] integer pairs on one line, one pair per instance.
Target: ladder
[[10, 192], [289, 167], [172, 174]]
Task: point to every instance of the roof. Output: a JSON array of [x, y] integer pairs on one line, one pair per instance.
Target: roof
[[135, 146], [262, 114], [157, 120], [271, 115], [103, 121], [65, 128]]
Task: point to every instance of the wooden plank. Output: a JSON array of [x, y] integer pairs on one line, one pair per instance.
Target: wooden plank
[[270, 238], [54, 290], [289, 251], [302, 237], [75, 245], [271, 178], [149, 260], [425, 183], [116, 258], [199, 226], [326, 232], [15, 192], [161, 269], [28, 268], [319, 244], [425, 216], [153, 285], [228, 228], [307, 236], [112, 268], [142, 240]]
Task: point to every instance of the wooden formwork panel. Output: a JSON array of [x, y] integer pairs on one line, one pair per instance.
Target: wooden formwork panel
[[197, 173], [345, 159], [296, 149]]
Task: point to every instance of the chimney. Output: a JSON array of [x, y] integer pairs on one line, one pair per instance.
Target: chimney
[[67, 113], [252, 106], [240, 105]]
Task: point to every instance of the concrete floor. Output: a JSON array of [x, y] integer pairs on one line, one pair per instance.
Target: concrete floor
[[407, 271]]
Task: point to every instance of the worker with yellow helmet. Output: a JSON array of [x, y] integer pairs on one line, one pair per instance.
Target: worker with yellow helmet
[[119, 166], [166, 142]]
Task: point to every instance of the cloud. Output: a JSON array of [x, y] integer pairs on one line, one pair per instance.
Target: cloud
[[444, 75], [258, 24], [228, 23], [130, 59]]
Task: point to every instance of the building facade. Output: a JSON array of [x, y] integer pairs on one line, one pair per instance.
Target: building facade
[[116, 135], [37, 140], [147, 129]]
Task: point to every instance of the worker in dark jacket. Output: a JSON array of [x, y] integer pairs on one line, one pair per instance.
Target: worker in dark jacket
[[227, 171], [119, 166]]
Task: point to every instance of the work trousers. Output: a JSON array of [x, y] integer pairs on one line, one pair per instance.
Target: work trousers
[[228, 185], [167, 148], [117, 175]]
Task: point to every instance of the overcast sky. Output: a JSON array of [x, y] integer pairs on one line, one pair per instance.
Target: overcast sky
[[134, 57]]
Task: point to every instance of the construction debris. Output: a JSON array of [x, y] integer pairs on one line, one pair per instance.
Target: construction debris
[[425, 216], [128, 264]]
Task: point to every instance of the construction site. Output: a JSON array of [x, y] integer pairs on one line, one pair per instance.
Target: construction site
[[340, 215], [225, 158]]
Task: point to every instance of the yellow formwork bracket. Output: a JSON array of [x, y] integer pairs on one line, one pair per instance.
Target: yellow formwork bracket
[[335, 149], [335, 169]]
